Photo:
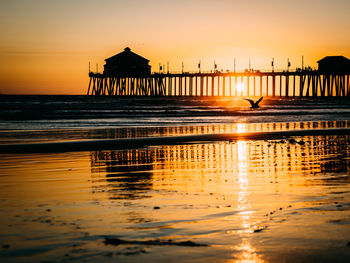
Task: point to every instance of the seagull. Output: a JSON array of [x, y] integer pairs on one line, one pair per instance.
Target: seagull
[[253, 104]]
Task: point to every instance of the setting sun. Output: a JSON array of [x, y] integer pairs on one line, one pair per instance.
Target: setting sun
[[46, 48], [240, 87]]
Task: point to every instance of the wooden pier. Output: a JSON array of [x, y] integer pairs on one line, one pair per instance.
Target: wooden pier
[[302, 83]]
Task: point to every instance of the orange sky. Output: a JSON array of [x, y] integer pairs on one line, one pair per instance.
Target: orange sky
[[46, 45]]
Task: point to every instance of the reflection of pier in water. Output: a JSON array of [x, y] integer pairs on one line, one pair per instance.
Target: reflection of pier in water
[[136, 132], [128, 173], [195, 181], [134, 174]]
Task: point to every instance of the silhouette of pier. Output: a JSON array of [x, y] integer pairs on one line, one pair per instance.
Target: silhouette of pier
[[303, 83], [129, 74]]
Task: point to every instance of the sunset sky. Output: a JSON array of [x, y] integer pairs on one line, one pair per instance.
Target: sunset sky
[[46, 45]]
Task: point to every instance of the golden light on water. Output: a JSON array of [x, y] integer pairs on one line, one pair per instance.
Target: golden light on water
[[241, 128], [249, 200], [247, 253]]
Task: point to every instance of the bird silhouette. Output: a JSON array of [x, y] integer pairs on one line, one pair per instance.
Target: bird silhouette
[[253, 104]]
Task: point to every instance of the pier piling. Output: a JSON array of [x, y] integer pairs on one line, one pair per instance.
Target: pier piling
[[305, 83]]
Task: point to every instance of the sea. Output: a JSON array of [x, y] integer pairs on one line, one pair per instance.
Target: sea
[[283, 199], [64, 112]]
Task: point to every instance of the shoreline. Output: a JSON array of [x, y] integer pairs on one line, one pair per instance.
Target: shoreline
[[134, 143]]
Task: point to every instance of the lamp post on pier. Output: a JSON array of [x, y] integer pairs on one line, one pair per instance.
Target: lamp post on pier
[[302, 62], [288, 65]]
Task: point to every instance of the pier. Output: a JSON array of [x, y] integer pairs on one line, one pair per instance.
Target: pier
[[301, 83], [129, 74]]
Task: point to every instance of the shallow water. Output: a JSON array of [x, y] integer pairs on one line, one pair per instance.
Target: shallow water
[[248, 201], [57, 135], [245, 201]]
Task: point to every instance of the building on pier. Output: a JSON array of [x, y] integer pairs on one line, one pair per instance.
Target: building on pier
[[128, 74], [334, 64], [126, 63]]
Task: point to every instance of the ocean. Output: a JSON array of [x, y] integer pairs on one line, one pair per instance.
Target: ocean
[[235, 185], [45, 112]]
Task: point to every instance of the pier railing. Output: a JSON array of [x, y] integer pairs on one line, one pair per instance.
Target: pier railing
[[298, 83]]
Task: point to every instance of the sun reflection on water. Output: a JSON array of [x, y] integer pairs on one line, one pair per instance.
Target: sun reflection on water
[[217, 192], [241, 127], [247, 253]]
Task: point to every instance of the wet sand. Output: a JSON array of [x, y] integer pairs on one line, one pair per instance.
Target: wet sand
[[134, 143], [240, 199], [19, 136]]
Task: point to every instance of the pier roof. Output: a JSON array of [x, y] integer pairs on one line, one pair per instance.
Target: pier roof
[[127, 53], [334, 59], [334, 64]]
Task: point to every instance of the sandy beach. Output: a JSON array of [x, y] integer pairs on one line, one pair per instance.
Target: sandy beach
[[251, 196]]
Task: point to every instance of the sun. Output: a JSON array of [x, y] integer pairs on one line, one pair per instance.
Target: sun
[[240, 87]]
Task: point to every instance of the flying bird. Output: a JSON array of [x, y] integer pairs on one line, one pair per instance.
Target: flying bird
[[253, 104]]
